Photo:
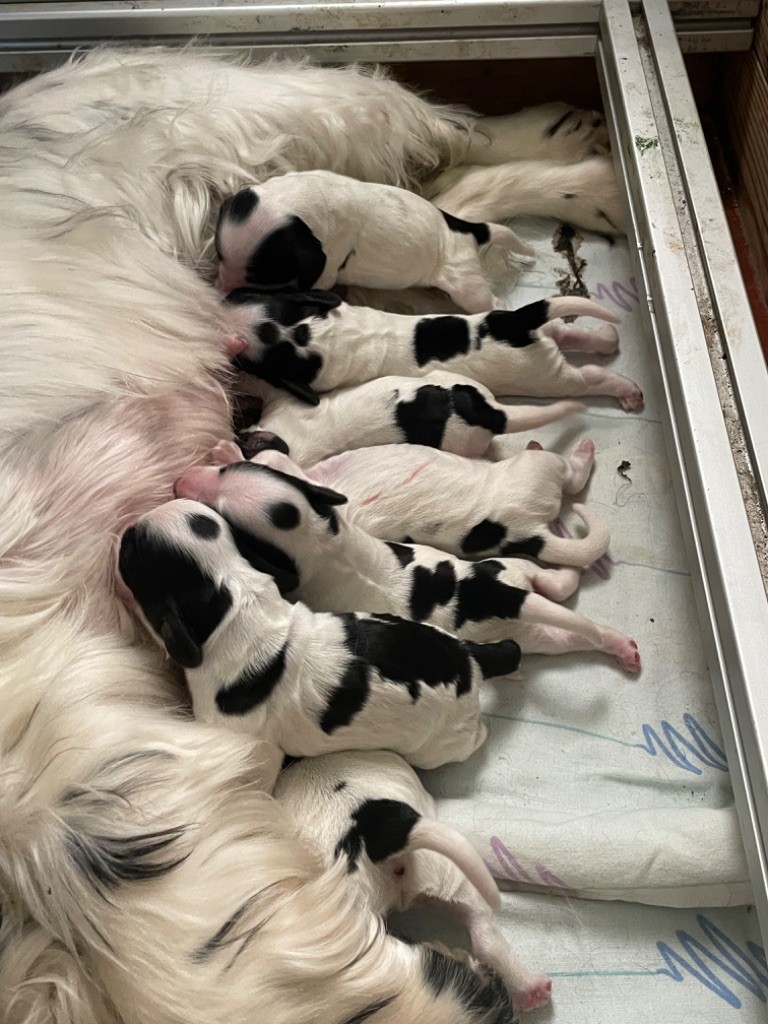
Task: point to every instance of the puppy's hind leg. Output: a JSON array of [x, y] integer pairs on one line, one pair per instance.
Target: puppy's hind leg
[[603, 341], [470, 291], [527, 989], [580, 463], [556, 584]]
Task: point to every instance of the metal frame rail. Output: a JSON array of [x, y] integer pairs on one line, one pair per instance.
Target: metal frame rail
[[694, 300]]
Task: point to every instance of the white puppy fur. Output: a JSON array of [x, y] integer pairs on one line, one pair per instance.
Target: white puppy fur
[[298, 342], [472, 509], [340, 567], [371, 810], [442, 410], [314, 229], [308, 683], [112, 169]]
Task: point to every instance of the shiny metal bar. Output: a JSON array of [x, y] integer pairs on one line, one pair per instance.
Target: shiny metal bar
[[681, 315]]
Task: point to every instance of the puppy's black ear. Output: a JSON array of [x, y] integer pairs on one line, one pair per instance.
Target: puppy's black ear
[[323, 495], [290, 256], [178, 639], [301, 391], [267, 558]]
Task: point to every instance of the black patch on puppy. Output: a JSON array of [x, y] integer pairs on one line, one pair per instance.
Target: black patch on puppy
[[203, 526], [381, 829], [441, 338], [252, 687], [483, 996], [289, 257], [482, 596], [240, 207], [268, 333], [497, 659], [403, 554], [252, 442], [348, 699], [284, 366], [302, 335], [423, 419], [477, 229], [284, 515], [266, 557], [320, 499], [484, 535], [431, 587], [339, 786], [530, 546], [182, 603], [515, 326], [475, 410], [286, 307]]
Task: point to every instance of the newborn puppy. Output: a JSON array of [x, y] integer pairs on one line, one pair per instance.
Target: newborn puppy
[[312, 342], [371, 809], [339, 567], [472, 509], [306, 683], [442, 411], [315, 229]]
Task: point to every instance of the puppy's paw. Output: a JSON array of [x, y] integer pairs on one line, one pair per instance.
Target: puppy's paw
[[576, 134], [626, 653], [591, 197], [536, 993], [631, 400]]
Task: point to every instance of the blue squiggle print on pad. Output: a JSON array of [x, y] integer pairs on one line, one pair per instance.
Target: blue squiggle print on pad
[[720, 966], [679, 749]]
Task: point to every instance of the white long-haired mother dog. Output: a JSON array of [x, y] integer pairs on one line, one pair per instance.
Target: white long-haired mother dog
[[143, 874]]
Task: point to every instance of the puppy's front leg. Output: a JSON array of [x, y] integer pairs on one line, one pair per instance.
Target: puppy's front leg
[[552, 131], [527, 989]]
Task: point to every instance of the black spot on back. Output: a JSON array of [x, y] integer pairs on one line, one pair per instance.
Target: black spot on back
[[203, 526], [252, 687], [481, 595], [403, 554], [515, 326], [380, 828], [441, 338], [530, 546], [348, 699], [284, 515], [475, 410], [484, 996], [483, 536], [423, 418], [478, 230], [183, 604], [289, 257], [430, 588]]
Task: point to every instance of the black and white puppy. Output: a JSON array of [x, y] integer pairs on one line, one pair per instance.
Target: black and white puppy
[[442, 410], [335, 566], [370, 808], [314, 229], [473, 509], [307, 683], [310, 343]]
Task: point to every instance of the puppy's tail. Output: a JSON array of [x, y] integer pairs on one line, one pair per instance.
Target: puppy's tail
[[579, 551], [392, 829], [506, 239], [529, 417], [495, 660]]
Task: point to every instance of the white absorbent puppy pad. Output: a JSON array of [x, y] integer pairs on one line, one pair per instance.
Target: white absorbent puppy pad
[[593, 783]]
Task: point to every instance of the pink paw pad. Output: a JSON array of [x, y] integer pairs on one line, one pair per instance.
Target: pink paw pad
[[537, 994], [585, 448], [632, 401], [626, 653]]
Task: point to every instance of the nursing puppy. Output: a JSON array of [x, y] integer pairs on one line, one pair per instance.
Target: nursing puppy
[[308, 683], [338, 567], [442, 411], [371, 809], [311, 342], [472, 508], [315, 229]]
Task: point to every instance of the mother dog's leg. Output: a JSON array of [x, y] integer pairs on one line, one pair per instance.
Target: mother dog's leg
[[551, 131]]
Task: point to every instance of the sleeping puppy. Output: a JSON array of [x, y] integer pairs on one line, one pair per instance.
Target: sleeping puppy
[[306, 683], [315, 229], [371, 809], [442, 411], [473, 509], [310, 342], [335, 566]]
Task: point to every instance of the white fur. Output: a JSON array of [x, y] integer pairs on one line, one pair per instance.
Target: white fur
[[437, 865], [341, 567], [358, 344], [376, 236], [366, 414], [429, 727], [437, 498], [111, 168]]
